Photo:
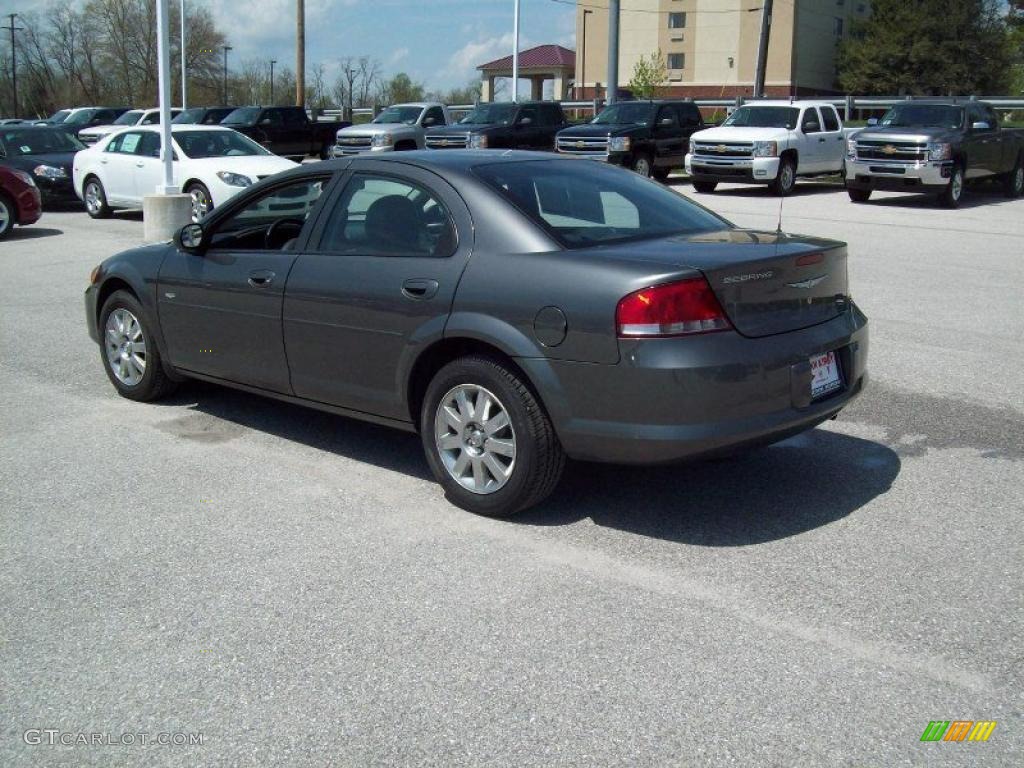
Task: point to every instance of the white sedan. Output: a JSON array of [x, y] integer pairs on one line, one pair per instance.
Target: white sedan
[[128, 119], [211, 164]]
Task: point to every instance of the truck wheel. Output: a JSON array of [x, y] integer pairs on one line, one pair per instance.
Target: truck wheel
[[859, 195], [325, 150], [783, 184], [950, 196], [642, 165], [1013, 182], [706, 187]]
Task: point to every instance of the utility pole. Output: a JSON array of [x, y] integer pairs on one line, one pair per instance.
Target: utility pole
[[762, 47], [583, 59], [613, 52], [515, 53], [272, 63], [226, 49], [14, 62], [184, 69], [300, 53]]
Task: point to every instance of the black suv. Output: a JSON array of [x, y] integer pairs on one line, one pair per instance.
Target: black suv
[[502, 125], [651, 137]]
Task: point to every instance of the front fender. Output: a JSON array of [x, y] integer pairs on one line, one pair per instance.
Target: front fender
[[139, 269]]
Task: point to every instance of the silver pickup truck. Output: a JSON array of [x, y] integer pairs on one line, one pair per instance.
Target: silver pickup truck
[[936, 146], [399, 127]]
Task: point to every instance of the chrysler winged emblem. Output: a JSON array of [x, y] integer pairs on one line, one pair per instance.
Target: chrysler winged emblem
[[809, 283]]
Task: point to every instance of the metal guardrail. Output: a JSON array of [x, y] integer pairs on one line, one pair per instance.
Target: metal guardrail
[[849, 105]]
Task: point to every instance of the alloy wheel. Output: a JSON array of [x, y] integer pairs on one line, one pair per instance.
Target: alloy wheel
[[1018, 180], [200, 205], [6, 218], [787, 177], [475, 439], [642, 166], [126, 347], [92, 197]]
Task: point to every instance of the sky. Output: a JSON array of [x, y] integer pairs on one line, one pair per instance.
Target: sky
[[436, 42]]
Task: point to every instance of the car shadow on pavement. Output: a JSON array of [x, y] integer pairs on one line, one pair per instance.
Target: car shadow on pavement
[[32, 233], [762, 495], [974, 197]]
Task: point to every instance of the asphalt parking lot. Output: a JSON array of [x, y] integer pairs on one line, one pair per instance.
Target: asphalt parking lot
[[293, 586]]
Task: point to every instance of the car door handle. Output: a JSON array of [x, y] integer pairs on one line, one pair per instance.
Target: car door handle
[[419, 288], [821, 140], [261, 278]]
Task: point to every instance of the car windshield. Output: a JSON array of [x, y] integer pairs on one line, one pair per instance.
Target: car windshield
[[190, 116], [59, 116], [635, 113], [131, 117], [487, 114], [242, 116], [764, 117], [924, 116], [407, 115], [80, 118], [39, 141], [585, 204], [198, 144]]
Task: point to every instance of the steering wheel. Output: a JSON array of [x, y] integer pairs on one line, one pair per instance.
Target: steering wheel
[[268, 238]]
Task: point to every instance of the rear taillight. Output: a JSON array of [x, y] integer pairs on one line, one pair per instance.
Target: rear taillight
[[674, 309]]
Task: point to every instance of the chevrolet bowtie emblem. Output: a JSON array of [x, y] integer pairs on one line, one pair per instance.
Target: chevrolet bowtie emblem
[[889, 149], [721, 148], [809, 283], [580, 144]]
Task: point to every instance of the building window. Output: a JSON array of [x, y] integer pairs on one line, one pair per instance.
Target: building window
[[861, 8], [837, 27], [677, 20], [676, 60]]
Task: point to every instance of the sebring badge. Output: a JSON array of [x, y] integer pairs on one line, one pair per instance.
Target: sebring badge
[[809, 283]]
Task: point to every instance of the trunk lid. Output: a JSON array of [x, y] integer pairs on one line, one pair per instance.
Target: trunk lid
[[767, 282]]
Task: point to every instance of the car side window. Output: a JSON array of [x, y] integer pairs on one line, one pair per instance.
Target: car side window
[[129, 143], [977, 114], [667, 113], [435, 113], [529, 113], [831, 119], [811, 123], [271, 117], [550, 115], [114, 145], [386, 216], [286, 207], [294, 117], [153, 118], [149, 145], [689, 115], [989, 116]]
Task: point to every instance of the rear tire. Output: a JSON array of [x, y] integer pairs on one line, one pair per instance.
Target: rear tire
[[950, 197], [705, 187], [129, 352], [859, 195], [96, 199], [476, 412], [1013, 182], [7, 216], [784, 183]]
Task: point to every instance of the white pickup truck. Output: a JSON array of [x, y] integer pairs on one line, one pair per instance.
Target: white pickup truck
[[769, 142], [399, 127]]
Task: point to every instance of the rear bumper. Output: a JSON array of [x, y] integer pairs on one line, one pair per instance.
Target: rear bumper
[[897, 176], [753, 170], [682, 398]]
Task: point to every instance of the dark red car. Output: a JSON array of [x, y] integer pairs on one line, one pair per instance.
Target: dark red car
[[20, 202]]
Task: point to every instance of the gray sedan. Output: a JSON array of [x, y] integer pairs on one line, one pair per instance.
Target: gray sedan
[[515, 309]]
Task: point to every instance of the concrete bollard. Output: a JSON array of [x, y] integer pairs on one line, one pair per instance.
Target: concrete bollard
[[163, 215]]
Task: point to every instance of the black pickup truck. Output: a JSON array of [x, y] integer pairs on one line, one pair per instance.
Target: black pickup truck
[[285, 131], [937, 146], [502, 125], [651, 137]]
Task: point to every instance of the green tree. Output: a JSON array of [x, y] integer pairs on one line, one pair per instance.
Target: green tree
[[649, 74], [927, 47], [400, 89]]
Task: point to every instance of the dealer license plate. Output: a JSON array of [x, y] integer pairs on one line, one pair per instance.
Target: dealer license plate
[[825, 377]]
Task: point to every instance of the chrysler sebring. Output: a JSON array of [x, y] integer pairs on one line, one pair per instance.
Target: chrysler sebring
[[210, 164], [512, 308]]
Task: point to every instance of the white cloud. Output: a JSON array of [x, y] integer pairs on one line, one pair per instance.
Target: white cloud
[[397, 55], [462, 65]]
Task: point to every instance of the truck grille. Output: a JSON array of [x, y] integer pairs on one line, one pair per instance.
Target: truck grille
[[448, 141], [711, 150], [590, 146], [905, 151], [350, 145]]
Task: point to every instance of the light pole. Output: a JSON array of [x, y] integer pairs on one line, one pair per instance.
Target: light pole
[[226, 49], [583, 57], [272, 63], [184, 69], [14, 63], [515, 55]]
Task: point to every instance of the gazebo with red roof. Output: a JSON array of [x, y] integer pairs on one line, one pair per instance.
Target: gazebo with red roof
[[544, 62]]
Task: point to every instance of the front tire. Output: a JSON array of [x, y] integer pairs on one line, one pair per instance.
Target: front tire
[[951, 195], [487, 439], [859, 195], [642, 164], [7, 216], [325, 150], [1013, 182], [202, 203], [705, 187], [129, 352], [96, 199], [785, 181]]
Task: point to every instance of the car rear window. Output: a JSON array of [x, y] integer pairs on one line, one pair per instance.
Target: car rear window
[[584, 204]]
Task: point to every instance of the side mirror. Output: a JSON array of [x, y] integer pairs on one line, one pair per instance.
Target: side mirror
[[811, 127], [430, 121], [665, 122], [266, 121], [980, 125], [525, 121], [190, 238], [872, 121]]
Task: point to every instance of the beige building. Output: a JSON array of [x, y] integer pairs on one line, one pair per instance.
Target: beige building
[[710, 46]]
